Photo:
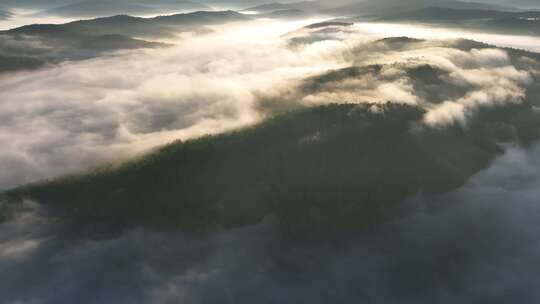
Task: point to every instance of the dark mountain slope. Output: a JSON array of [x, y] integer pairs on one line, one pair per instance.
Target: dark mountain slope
[[92, 8], [525, 23], [440, 13], [371, 9], [26, 54], [320, 169], [524, 4], [39, 44], [130, 26], [15, 63]]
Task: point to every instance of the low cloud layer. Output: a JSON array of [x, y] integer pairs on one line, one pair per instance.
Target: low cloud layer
[[476, 244], [77, 115], [80, 114], [451, 79]]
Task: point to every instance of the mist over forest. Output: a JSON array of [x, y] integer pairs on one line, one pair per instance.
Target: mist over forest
[[241, 151]]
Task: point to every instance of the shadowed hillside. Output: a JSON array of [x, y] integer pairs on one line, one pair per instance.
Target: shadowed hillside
[[332, 167], [106, 8], [130, 26], [35, 45], [319, 169], [368, 9], [524, 23]]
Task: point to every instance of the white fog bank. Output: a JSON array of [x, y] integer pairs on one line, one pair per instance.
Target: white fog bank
[[77, 115]]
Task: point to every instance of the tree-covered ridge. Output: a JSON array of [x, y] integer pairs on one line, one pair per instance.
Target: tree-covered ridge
[[318, 169], [520, 23], [327, 162], [90, 8], [130, 26]]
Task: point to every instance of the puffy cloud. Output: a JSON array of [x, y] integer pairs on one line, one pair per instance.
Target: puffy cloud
[[488, 87], [79, 114], [446, 114], [450, 81]]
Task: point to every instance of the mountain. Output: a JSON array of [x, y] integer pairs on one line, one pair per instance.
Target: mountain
[[439, 13], [284, 14], [92, 8], [130, 26], [527, 23], [318, 170], [39, 44], [12, 63], [524, 4], [332, 163], [366, 8], [26, 56]]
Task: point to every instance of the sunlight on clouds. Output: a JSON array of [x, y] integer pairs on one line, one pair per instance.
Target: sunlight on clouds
[[83, 113], [105, 109], [432, 32]]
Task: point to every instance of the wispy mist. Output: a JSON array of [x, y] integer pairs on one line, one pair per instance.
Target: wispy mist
[[79, 114], [82, 113]]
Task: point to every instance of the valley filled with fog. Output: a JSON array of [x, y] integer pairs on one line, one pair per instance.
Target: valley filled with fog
[[245, 152], [127, 102]]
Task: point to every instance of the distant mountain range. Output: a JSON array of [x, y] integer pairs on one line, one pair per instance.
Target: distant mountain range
[[130, 26], [527, 23], [38, 44], [525, 4], [92, 8], [439, 13], [371, 9], [104, 8]]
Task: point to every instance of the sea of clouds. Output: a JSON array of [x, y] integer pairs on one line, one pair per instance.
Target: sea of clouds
[[77, 115]]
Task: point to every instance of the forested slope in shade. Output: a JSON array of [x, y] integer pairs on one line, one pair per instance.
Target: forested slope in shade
[[522, 23], [91, 8], [129, 25], [96, 8], [318, 170], [370, 9]]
